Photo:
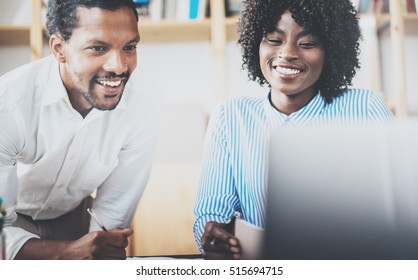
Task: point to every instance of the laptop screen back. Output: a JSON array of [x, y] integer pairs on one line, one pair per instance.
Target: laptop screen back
[[343, 193]]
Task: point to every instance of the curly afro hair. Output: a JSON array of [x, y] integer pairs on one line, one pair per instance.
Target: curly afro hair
[[62, 14], [334, 22]]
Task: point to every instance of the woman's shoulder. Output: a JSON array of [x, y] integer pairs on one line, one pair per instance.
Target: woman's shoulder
[[360, 102], [242, 103], [359, 96], [233, 109], [359, 93]]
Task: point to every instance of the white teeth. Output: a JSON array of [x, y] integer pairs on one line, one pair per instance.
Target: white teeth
[[110, 83], [287, 71]]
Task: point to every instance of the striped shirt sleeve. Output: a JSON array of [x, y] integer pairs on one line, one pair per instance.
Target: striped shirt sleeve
[[378, 111], [217, 198]]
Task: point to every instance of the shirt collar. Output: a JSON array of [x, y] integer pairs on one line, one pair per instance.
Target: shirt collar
[[55, 89], [298, 118]]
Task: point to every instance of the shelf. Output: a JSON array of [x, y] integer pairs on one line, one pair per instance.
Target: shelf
[[174, 31], [11, 35], [410, 23], [178, 31], [232, 28]]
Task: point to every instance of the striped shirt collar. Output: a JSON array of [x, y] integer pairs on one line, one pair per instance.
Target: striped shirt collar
[[299, 118]]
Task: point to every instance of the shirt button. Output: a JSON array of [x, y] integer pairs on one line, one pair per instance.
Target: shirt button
[[73, 157]]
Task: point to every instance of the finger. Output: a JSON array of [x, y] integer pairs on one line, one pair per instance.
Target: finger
[[223, 235], [123, 231], [119, 242], [112, 252], [116, 255], [216, 245], [214, 229], [106, 251], [116, 239]]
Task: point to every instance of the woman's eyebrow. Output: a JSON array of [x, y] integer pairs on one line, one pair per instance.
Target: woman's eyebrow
[[300, 34], [306, 33]]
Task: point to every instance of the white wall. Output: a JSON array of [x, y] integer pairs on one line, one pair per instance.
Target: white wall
[[15, 12], [411, 57]]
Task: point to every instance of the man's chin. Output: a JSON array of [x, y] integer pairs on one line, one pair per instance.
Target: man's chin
[[108, 107], [104, 101]]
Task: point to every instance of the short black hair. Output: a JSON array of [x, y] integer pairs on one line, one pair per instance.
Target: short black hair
[[334, 22], [62, 14]]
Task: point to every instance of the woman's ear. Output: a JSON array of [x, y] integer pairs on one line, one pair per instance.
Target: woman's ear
[[57, 46]]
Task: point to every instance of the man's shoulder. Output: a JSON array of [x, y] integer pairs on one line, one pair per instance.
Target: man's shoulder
[[26, 74]]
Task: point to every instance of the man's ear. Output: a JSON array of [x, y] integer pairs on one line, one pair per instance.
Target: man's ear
[[57, 46]]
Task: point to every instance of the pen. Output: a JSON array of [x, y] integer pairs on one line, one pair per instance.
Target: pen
[[96, 219]]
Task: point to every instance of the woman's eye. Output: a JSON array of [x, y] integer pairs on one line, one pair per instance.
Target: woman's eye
[[309, 44], [274, 41]]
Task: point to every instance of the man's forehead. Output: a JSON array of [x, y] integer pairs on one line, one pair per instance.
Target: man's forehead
[[122, 18]]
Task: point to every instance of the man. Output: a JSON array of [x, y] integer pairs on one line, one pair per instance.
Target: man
[[72, 125]]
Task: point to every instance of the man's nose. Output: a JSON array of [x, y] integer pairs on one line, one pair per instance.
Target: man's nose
[[115, 63]]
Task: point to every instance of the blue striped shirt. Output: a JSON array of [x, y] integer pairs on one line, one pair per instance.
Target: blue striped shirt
[[234, 159]]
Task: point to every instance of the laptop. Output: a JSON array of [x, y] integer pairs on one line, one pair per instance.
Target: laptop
[[347, 193]]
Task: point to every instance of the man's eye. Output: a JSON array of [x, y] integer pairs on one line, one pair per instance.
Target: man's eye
[[98, 48], [130, 48]]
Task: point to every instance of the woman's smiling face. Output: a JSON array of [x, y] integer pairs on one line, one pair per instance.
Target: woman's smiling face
[[291, 60]]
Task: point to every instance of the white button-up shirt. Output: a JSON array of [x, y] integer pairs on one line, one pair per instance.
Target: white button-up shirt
[[51, 158]]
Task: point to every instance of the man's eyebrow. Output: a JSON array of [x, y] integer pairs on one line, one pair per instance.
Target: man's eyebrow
[[134, 40], [100, 42]]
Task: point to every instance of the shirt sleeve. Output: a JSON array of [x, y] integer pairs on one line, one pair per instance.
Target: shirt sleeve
[[378, 110], [217, 199], [118, 197], [11, 142]]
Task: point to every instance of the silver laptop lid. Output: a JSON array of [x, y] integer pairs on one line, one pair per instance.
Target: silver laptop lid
[[343, 193]]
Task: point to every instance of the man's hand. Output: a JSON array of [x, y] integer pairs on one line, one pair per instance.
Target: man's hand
[[218, 242], [94, 245], [101, 245]]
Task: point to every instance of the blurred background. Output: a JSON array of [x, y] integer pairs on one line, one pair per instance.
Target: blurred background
[[189, 49]]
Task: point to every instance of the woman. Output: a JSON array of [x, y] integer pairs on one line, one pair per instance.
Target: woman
[[306, 51]]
